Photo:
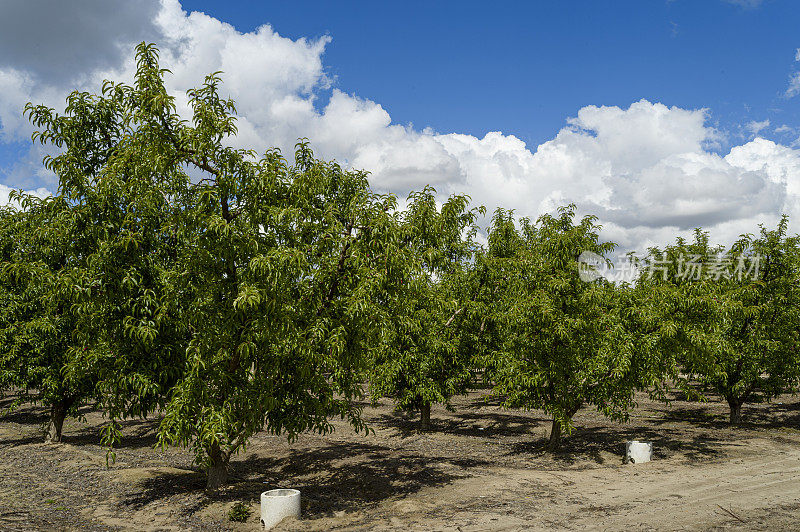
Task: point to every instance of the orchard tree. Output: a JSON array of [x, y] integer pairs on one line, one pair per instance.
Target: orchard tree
[[483, 331], [737, 309], [241, 296], [566, 341], [278, 277], [37, 320], [103, 246], [426, 357], [272, 267]]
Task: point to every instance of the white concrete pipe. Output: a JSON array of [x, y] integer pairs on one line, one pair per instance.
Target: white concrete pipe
[[277, 504], [638, 452]]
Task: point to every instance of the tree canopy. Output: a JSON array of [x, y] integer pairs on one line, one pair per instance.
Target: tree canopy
[[566, 343], [737, 309], [424, 357]]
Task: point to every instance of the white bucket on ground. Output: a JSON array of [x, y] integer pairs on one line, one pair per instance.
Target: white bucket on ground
[[638, 452], [277, 504]]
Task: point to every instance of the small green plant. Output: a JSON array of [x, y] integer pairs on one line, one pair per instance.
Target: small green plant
[[239, 512]]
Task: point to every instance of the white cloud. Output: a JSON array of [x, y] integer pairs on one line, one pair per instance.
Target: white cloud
[[5, 193], [57, 41], [650, 171], [642, 169], [755, 127], [746, 4], [794, 80], [794, 85]]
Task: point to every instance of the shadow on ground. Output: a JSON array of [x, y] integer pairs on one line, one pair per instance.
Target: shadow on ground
[[338, 477], [475, 424], [592, 442]]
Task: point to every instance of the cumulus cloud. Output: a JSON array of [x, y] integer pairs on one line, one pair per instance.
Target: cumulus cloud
[[648, 170], [56, 41], [645, 170]]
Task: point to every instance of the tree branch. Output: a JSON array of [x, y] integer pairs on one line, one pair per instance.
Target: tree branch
[[339, 270]]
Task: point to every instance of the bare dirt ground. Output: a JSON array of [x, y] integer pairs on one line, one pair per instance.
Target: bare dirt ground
[[482, 469]]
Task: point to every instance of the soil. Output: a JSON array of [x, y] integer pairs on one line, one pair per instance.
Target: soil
[[480, 468]]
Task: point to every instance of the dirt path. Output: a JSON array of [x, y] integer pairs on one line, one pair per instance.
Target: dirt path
[[758, 490], [668, 495], [657, 494], [482, 469]]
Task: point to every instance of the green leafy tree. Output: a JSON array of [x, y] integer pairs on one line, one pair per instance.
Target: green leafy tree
[[91, 261], [566, 342], [425, 356], [278, 279], [36, 318], [247, 283], [120, 188], [737, 310]]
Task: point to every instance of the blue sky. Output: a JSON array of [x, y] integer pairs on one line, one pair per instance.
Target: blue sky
[[657, 116], [523, 67]]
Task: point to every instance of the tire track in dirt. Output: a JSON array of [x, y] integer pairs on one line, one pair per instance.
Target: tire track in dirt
[[742, 491], [683, 496]]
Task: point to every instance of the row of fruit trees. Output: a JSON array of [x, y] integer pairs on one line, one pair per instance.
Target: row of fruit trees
[[233, 293]]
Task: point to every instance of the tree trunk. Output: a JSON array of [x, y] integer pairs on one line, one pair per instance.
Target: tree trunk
[[217, 474], [555, 435], [425, 417], [556, 432], [58, 412], [736, 411]]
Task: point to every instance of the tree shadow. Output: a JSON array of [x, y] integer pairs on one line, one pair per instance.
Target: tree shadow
[[489, 424], [7, 397], [337, 477], [488, 399], [774, 415], [474, 424], [758, 412], [23, 440], [24, 415], [589, 443], [698, 416], [764, 415], [136, 434]]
